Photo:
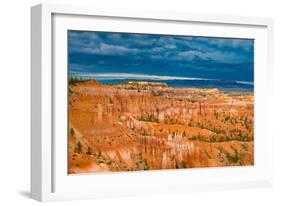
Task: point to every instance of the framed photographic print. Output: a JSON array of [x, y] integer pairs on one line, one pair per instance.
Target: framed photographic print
[[134, 102]]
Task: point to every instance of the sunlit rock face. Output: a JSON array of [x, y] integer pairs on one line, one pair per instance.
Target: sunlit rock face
[[146, 126]]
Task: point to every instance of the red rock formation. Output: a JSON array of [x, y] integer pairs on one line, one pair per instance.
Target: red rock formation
[[151, 126]]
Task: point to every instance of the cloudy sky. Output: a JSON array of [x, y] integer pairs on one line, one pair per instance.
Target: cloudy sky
[[104, 54]]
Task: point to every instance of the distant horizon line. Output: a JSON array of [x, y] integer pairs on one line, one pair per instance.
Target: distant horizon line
[[138, 76]]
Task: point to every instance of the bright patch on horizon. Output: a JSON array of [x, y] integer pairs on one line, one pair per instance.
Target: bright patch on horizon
[[101, 76]]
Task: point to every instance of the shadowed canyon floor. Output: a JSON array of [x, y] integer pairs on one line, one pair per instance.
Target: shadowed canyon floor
[[147, 126]]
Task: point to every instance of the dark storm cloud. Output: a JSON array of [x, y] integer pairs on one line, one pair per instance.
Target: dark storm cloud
[[217, 58]]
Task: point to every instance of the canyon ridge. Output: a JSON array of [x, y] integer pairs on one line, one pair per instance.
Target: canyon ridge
[[141, 125]]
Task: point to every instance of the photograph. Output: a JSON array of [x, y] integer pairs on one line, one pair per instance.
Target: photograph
[[139, 102]]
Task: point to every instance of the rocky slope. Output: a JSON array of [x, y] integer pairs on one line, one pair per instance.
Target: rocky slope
[[144, 126]]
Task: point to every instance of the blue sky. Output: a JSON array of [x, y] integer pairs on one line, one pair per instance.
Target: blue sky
[[113, 54]]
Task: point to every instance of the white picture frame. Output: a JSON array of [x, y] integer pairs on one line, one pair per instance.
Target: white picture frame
[[49, 178]]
